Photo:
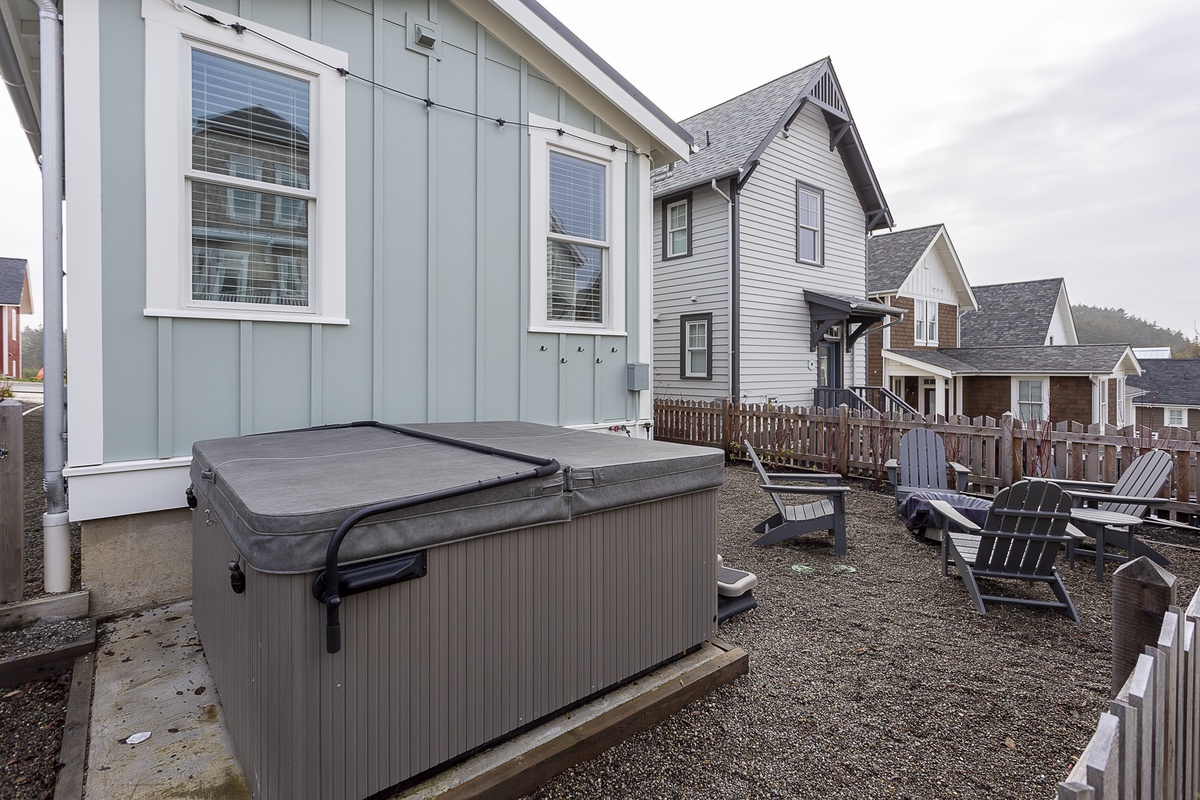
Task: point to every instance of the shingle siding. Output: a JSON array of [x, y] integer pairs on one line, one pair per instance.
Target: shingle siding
[[1071, 399], [987, 396]]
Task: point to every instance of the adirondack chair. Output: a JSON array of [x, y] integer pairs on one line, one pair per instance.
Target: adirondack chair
[[1021, 538], [1131, 495], [922, 465], [826, 514]]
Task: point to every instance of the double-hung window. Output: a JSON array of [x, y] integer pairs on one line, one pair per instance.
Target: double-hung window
[[925, 322], [677, 227], [577, 213], [695, 346], [245, 164], [810, 223], [1031, 399], [1175, 417]]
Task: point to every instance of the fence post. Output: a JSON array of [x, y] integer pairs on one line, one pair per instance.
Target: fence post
[[843, 442], [1007, 458], [727, 425], [1142, 593], [12, 502]]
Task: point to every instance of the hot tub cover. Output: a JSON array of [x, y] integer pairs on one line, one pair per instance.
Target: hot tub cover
[[280, 496]]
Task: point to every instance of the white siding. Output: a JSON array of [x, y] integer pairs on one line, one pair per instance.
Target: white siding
[[930, 279], [1060, 332], [703, 275], [775, 322]]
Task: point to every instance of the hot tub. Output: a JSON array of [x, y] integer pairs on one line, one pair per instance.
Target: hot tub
[[500, 573]]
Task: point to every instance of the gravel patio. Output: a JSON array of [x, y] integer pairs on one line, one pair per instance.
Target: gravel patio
[[880, 682]]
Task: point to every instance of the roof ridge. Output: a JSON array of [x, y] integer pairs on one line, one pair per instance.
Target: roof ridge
[[761, 86]]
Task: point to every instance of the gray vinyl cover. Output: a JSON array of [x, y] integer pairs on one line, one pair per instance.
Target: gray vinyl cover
[[282, 495]]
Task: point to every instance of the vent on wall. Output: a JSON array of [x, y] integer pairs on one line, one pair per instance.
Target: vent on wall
[[826, 92], [423, 36]]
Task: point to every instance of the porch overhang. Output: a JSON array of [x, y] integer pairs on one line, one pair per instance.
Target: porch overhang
[[857, 314], [919, 365]]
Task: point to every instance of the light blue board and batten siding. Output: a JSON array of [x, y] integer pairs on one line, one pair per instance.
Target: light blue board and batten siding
[[437, 254], [775, 352], [703, 275]]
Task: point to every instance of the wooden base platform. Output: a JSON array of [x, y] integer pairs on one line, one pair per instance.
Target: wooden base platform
[[520, 765]]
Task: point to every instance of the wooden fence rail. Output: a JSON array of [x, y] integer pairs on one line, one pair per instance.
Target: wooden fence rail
[[1147, 745], [998, 452]]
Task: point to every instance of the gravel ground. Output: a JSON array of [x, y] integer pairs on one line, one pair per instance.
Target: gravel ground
[[877, 683], [880, 682], [32, 714]]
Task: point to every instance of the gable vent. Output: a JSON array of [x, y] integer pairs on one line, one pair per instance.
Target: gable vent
[[825, 91]]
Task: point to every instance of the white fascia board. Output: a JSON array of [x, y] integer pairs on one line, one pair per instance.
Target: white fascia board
[[917, 365], [531, 37], [1129, 363], [128, 487], [959, 275]]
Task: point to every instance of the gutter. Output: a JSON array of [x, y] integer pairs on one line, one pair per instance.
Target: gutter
[[55, 526], [10, 68]]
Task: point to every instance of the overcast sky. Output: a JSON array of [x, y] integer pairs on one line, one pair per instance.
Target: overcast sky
[[1052, 137]]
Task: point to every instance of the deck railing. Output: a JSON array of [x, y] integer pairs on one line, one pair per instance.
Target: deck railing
[[997, 452]]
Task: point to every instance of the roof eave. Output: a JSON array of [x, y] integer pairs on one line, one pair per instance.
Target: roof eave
[[545, 42]]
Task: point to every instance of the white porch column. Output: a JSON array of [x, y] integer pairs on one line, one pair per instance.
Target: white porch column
[[939, 395]]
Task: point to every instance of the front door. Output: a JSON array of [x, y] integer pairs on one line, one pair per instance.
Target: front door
[[828, 373]]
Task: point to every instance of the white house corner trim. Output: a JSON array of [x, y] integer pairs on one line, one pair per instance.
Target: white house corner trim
[[645, 253], [82, 237], [127, 488]]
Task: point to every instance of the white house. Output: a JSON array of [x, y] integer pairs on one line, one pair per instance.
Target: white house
[[760, 248]]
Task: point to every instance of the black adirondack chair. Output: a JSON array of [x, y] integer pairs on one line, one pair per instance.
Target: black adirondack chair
[[1020, 540], [922, 465], [1133, 494], [791, 520]]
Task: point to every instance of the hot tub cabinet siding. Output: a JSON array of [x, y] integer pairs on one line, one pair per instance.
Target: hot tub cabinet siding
[[504, 629]]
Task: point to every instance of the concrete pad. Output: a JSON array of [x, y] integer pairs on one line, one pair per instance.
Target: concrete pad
[[151, 676]]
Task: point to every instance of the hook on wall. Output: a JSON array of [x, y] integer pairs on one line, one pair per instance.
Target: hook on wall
[[578, 349], [542, 348], [562, 361]]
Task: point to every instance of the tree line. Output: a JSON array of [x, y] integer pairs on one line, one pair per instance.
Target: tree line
[[1114, 325]]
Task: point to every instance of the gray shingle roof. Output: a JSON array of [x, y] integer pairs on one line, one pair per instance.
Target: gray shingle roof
[[892, 256], [729, 133], [1011, 314], [1077, 359], [12, 280], [1169, 382]]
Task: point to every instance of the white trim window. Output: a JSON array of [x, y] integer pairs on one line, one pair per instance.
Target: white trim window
[[577, 216], [925, 322], [810, 224], [696, 343], [677, 223], [1175, 417], [1031, 399], [245, 164], [1102, 400], [1120, 402]]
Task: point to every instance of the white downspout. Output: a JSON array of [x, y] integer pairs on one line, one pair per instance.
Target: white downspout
[[55, 527]]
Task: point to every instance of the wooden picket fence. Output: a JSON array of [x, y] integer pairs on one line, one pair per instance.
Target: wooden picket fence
[[998, 452], [1147, 745]]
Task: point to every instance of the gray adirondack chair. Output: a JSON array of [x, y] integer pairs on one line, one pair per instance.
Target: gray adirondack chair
[[1132, 494], [791, 520], [922, 465], [1020, 540]]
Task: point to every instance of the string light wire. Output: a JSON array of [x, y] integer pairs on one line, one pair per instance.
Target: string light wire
[[430, 104]]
